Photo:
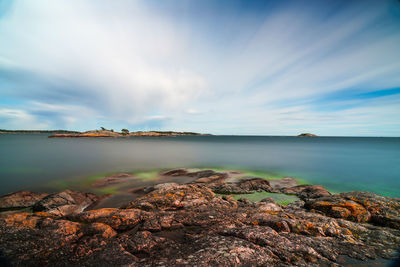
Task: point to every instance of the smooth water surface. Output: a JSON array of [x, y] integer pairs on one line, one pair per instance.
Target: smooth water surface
[[29, 161]]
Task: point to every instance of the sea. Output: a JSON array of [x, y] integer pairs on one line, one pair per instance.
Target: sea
[[31, 161]]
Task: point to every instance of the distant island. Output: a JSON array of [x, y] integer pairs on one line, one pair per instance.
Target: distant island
[[307, 135], [103, 132], [124, 133]]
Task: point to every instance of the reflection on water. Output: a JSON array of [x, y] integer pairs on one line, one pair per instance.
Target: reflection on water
[[340, 164]]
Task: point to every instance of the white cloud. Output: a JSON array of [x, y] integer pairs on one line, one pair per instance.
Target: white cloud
[[20, 119], [124, 58], [192, 111], [126, 61]]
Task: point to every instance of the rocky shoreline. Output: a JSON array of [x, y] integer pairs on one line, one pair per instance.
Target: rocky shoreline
[[199, 224]]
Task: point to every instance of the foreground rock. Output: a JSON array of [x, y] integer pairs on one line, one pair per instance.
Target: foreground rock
[[20, 199], [243, 186], [189, 225], [65, 202], [360, 207]]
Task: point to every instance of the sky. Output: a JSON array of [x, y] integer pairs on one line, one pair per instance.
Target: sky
[[246, 67]]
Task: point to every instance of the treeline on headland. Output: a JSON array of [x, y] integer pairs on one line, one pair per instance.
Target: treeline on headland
[[103, 132]]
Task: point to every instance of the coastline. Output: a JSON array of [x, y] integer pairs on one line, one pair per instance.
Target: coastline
[[197, 221], [100, 133], [110, 133]]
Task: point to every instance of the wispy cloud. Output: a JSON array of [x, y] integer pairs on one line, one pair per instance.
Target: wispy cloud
[[245, 67]]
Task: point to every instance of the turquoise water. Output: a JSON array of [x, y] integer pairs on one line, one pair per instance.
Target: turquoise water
[[29, 161]]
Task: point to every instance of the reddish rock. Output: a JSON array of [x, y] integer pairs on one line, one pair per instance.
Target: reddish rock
[[116, 218], [360, 207], [282, 183], [215, 178], [65, 202], [307, 191], [175, 197], [339, 208], [102, 229], [384, 211], [254, 184], [243, 186], [187, 225], [20, 199]]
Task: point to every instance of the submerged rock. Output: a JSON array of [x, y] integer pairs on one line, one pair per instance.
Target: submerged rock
[[113, 179], [175, 172]]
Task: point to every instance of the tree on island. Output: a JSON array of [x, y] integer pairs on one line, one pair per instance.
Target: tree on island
[[104, 129], [125, 131]]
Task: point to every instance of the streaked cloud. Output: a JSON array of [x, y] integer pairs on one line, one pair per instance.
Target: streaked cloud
[[242, 67]]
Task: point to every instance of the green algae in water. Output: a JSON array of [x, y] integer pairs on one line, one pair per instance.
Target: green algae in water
[[267, 175], [147, 175], [84, 184], [281, 199], [113, 189]]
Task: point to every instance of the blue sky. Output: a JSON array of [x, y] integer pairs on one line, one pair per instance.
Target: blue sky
[[224, 67]]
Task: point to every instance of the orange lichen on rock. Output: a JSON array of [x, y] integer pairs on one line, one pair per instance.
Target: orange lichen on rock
[[22, 220], [340, 208], [173, 197], [116, 218], [103, 229]]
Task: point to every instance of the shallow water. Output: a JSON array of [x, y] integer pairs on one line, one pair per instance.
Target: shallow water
[[30, 161]]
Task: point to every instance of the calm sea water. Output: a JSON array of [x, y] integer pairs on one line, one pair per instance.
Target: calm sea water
[[28, 161]]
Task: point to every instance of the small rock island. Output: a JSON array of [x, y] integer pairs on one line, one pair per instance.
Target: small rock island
[[199, 223], [307, 135]]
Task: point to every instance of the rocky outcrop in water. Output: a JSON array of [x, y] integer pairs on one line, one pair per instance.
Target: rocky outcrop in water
[[65, 202], [20, 199], [306, 191], [243, 186], [190, 225], [307, 135]]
